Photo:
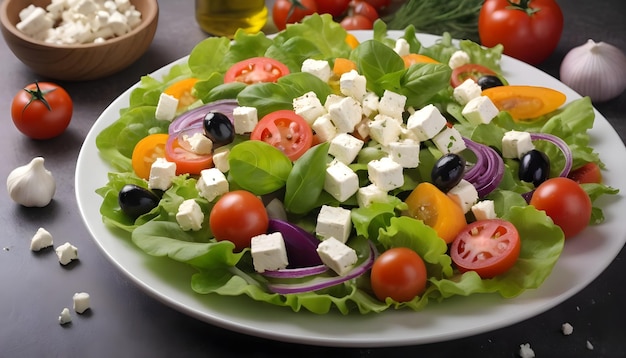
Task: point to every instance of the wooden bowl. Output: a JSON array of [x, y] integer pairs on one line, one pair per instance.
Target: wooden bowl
[[78, 62]]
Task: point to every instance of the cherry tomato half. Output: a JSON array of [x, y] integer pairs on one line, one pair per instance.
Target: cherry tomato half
[[42, 110], [255, 70], [470, 70], [187, 162], [489, 247], [286, 131], [398, 273], [237, 216], [146, 151], [588, 173], [566, 202]]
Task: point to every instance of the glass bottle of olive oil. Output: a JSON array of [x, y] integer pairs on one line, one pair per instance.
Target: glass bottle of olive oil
[[225, 17]]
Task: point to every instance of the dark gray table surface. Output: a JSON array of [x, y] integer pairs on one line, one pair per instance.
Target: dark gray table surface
[[127, 322]]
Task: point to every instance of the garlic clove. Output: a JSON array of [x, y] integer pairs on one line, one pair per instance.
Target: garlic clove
[[31, 185], [595, 69]]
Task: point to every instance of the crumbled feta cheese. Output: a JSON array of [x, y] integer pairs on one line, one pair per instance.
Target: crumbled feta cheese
[[324, 128], [245, 119], [466, 91], [426, 122], [81, 302], [589, 346], [318, 68], [334, 221], [212, 183], [340, 181], [480, 110], [65, 316], [458, 59], [370, 194], [66, 253], [220, 159], [464, 194], [405, 152], [199, 143], [384, 129], [484, 210], [385, 173], [337, 255], [353, 84], [345, 114], [190, 215], [370, 104], [345, 147], [162, 172], [449, 140], [402, 47], [525, 351], [166, 107], [268, 252], [41, 240], [567, 329], [516, 143], [308, 106], [392, 104]]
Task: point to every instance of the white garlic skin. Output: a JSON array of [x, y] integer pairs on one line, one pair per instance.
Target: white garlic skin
[[31, 185], [595, 69]]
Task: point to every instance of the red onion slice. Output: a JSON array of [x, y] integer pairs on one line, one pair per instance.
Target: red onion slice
[[194, 117]]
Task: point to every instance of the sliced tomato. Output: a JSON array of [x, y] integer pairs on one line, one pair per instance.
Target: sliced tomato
[[489, 247], [187, 162], [286, 131], [588, 173], [146, 151], [470, 70], [255, 70]]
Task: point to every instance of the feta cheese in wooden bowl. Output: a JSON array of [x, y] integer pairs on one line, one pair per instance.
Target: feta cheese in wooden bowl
[[77, 40]]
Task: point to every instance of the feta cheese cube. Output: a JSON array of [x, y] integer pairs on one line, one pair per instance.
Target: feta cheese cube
[[426, 122], [212, 183], [199, 143], [318, 68], [385, 173], [334, 221], [402, 47], [337, 255], [484, 210], [340, 181], [516, 143], [81, 302], [466, 91], [480, 110], [166, 107], [190, 215], [65, 316], [41, 240], [308, 106], [245, 119], [66, 253], [405, 152], [345, 147], [458, 59], [392, 104], [220, 159], [268, 252], [353, 84], [332, 99], [449, 140], [362, 128], [384, 129], [464, 194], [34, 22], [370, 104], [345, 114], [162, 172], [370, 194], [324, 128]]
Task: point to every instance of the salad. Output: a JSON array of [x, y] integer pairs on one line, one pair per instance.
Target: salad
[[259, 168]]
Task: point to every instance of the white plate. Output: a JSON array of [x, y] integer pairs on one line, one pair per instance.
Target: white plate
[[583, 259]]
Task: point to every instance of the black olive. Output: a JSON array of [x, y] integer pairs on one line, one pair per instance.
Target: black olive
[[448, 171], [218, 128], [136, 201], [489, 81], [534, 167]]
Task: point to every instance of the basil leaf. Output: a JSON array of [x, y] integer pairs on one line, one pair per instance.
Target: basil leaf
[[258, 167], [306, 180]]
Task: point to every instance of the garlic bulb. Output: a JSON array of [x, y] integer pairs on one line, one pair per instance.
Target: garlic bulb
[[595, 69], [32, 184]]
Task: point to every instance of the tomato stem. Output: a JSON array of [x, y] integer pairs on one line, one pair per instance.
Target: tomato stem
[[38, 95], [522, 5]]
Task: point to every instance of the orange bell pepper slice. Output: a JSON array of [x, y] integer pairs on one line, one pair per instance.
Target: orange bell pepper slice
[[525, 103], [183, 91], [437, 210], [146, 151], [414, 58]]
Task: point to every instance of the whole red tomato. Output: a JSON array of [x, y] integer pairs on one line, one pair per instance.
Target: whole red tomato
[[529, 30], [42, 110], [334, 7], [290, 11]]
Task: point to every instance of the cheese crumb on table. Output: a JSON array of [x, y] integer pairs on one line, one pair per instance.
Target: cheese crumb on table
[[81, 302], [65, 316], [525, 351], [41, 240], [567, 329], [66, 253]]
